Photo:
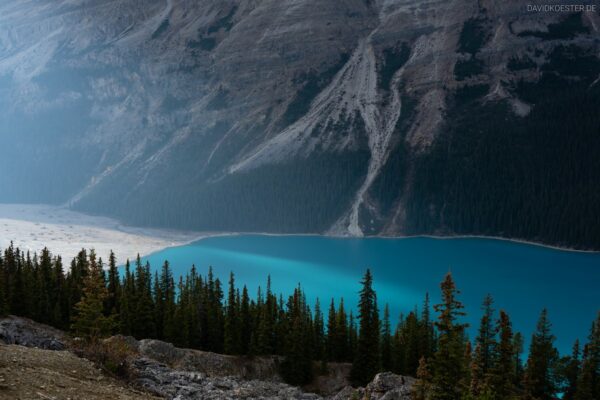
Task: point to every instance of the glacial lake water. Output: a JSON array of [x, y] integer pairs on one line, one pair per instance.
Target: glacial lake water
[[522, 278]]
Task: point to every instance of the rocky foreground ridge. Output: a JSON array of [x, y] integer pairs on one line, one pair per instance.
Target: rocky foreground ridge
[[37, 361]]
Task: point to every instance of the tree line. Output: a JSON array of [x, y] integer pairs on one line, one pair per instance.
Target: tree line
[[196, 311]]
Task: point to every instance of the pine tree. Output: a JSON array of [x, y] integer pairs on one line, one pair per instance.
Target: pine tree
[[410, 335], [588, 383], [367, 361], [245, 322], [319, 333], [352, 337], [89, 321], [332, 350], [59, 299], [296, 367], [422, 390], [386, 341], [448, 364], [475, 374], [570, 371], [167, 289], [502, 372], [127, 297], [426, 334], [232, 322], [468, 365], [3, 290], [341, 331], [143, 325], [485, 345], [399, 346], [266, 322], [114, 286], [519, 370], [44, 305], [539, 382]]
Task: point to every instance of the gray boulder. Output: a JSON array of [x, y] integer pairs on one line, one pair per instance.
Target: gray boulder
[[385, 386], [389, 386], [164, 381], [25, 332]]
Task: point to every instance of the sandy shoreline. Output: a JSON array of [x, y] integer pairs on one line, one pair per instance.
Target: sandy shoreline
[[66, 232]]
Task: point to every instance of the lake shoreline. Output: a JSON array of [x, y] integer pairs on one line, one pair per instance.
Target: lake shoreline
[[208, 235], [34, 226]]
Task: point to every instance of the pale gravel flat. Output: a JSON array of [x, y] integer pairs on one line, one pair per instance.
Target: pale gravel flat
[[65, 232], [29, 374]]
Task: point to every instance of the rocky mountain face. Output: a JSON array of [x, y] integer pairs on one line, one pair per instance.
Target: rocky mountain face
[[359, 117]]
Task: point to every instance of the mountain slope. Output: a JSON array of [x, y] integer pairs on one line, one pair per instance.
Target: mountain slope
[[356, 117]]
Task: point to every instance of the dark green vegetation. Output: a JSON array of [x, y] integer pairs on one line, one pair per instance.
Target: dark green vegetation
[[206, 44], [311, 85], [473, 36], [393, 59], [467, 68], [520, 63], [198, 312], [567, 28], [161, 29], [536, 177], [224, 23], [301, 196]]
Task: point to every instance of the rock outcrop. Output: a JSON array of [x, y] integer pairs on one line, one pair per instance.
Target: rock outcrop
[[163, 370], [25, 332], [190, 385], [385, 386]]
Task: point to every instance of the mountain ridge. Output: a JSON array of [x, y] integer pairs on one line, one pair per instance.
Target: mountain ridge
[[304, 116]]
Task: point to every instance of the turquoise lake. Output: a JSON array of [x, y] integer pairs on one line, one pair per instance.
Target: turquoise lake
[[522, 278]]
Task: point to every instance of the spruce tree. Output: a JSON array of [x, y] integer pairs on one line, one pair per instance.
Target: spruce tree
[[519, 369], [588, 382], [341, 330], [539, 382], [232, 328], [143, 325], [89, 321], [332, 343], [59, 300], [426, 334], [114, 286], [352, 336], [570, 372], [411, 331], [319, 333], [367, 361], [485, 345], [386, 341], [296, 367], [422, 390], [245, 322], [3, 290], [502, 372], [127, 306], [44, 307], [448, 364]]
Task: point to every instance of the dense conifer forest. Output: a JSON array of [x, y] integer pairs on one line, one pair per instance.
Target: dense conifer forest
[[201, 312]]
